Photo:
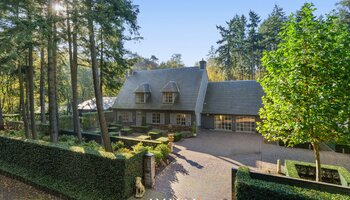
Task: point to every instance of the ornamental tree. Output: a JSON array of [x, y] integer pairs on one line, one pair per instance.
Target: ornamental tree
[[307, 85]]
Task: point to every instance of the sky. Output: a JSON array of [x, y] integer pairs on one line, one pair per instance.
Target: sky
[[188, 27]]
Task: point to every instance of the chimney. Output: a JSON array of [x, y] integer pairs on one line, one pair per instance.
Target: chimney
[[202, 64], [129, 72]]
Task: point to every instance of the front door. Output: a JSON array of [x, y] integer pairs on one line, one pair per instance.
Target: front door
[[223, 122], [138, 118]]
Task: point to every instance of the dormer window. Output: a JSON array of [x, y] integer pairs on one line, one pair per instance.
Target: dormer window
[[170, 92], [140, 98], [142, 93], [168, 97]]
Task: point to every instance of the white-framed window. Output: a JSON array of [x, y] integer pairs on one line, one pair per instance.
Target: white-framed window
[[140, 98], [223, 122], [124, 116], [155, 118], [245, 124], [168, 97], [181, 119]]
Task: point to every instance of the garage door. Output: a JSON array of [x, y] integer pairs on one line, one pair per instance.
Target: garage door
[[223, 122], [245, 124]]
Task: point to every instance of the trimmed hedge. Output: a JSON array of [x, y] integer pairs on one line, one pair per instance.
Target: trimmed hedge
[[255, 189], [126, 131], [291, 170], [141, 129], [80, 173], [177, 137], [155, 134], [163, 140], [129, 142]]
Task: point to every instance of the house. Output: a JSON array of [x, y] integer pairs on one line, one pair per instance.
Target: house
[[90, 105], [184, 97]]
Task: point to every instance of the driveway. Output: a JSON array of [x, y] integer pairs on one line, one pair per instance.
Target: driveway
[[203, 164]]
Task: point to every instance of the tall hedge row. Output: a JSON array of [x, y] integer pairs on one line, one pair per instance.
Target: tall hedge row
[[76, 172]]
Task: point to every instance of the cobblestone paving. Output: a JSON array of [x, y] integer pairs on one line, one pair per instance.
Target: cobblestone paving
[[203, 164]]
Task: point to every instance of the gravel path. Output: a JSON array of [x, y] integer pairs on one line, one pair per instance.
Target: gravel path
[[203, 164]]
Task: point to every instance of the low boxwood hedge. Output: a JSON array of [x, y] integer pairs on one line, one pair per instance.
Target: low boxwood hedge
[[291, 170], [126, 131], [177, 137], [129, 142], [77, 172], [155, 134], [256, 189], [141, 129], [163, 140]]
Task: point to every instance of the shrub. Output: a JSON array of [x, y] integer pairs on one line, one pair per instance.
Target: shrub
[[163, 140], [249, 188], [155, 134], [291, 170], [126, 131], [129, 142], [177, 137], [76, 172], [117, 145], [113, 129], [164, 149], [43, 128], [66, 122], [141, 129], [186, 134]]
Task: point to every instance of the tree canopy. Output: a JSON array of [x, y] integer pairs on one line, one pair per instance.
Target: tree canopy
[[307, 83]]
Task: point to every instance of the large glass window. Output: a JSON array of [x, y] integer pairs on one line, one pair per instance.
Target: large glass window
[[168, 97], [181, 119], [223, 122], [155, 118], [140, 97], [245, 124]]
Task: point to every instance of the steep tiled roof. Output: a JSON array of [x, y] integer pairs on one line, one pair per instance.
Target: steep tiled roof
[[187, 81], [233, 97]]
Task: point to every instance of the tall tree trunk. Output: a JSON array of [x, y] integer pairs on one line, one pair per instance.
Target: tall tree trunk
[[103, 125], [101, 63], [42, 86], [73, 61], [51, 79], [22, 104], [54, 53], [318, 161], [2, 126], [31, 91]]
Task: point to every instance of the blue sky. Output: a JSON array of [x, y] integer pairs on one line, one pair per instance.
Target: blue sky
[[188, 27]]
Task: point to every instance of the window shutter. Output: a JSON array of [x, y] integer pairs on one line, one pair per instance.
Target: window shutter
[[188, 119], [148, 118], [173, 118], [130, 116], [162, 118]]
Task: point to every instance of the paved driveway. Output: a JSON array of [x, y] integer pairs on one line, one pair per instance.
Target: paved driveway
[[203, 164]]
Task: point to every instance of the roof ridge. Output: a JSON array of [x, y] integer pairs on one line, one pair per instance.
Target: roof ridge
[[164, 69]]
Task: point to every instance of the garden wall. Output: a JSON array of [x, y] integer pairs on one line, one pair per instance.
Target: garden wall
[[256, 186], [80, 173]]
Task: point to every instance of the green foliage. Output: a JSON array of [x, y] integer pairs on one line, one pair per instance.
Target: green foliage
[[155, 134], [163, 140], [129, 142], [68, 170], [174, 62], [141, 129], [118, 145], [126, 131], [291, 170], [177, 137], [307, 82], [249, 188], [164, 149]]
